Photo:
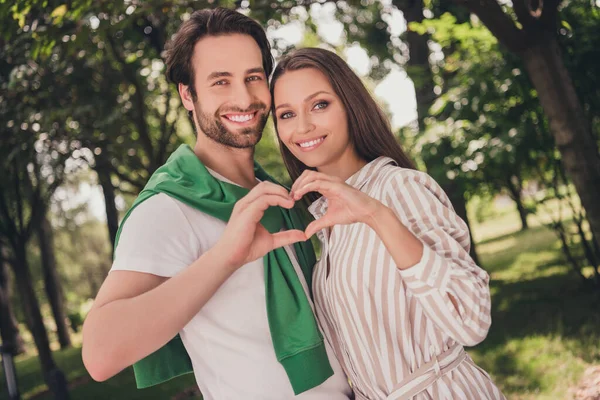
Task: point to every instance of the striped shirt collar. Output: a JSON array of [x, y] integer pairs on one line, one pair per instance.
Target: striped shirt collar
[[360, 178]]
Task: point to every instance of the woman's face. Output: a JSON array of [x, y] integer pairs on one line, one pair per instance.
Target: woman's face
[[311, 120]]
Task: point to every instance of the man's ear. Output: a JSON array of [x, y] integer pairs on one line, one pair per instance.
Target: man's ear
[[186, 96]]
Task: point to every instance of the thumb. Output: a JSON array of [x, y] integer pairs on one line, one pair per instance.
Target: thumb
[[317, 225], [284, 238]]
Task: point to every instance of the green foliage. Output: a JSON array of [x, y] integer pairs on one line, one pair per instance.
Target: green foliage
[[579, 36]]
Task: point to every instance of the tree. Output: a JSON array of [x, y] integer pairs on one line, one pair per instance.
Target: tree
[[32, 168], [23, 198], [9, 330], [529, 29], [52, 282]]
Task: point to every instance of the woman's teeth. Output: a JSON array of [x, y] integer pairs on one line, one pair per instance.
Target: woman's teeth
[[311, 143]]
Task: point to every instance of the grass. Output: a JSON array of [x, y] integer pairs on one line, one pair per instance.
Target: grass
[[545, 331], [122, 386]]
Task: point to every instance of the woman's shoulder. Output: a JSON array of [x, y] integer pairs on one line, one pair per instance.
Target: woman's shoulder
[[405, 182], [391, 174]]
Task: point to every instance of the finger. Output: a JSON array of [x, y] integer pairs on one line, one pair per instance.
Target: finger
[[313, 176], [284, 238], [298, 182], [264, 188], [256, 209], [244, 203], [317, 225], [322, 187], [308, 176]]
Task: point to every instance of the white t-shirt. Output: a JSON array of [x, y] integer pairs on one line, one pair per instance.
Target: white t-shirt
[[228, 341]]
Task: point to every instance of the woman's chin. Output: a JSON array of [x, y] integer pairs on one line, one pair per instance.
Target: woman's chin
[[310, 162]]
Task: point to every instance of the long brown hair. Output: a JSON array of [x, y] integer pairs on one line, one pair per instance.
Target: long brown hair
[[368, 127]]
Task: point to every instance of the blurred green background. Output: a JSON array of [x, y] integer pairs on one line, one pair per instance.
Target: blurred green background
[[498, 101]]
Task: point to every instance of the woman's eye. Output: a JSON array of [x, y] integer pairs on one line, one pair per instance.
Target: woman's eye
[[286, 115], [321, 105]]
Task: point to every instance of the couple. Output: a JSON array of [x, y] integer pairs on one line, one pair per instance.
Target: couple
[[213, 270]]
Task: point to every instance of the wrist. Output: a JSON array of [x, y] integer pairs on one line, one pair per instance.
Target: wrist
[[220, 256], [378, 215]]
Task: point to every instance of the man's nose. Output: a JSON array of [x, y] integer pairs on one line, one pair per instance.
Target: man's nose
[[242, 97]]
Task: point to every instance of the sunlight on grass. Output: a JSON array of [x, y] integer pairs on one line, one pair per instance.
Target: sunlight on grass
[[535, 367], [545, 325]]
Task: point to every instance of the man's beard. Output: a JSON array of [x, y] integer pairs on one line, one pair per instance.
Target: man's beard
[[213, 127]]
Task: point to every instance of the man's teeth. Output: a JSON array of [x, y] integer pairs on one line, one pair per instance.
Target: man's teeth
[[311, 143], [240, 118]]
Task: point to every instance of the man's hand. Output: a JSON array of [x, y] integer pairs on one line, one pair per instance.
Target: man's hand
[[245, 239]]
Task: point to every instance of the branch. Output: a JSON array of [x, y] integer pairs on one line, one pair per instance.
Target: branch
[[500, 24], [155, 37], [524, 14], [10, 230], [140, 120], [19, 199], [549, 16], [38, 209], [129, 192], [165, 133], [271, 6], [133, 182]]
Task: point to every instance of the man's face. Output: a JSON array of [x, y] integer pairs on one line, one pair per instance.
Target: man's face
[[233, 98]]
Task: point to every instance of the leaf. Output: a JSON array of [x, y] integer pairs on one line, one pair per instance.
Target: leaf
[[566, 25], [20, 15], [58, 14]]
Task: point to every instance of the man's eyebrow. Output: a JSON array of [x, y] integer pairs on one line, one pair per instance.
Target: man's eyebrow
[[219, 74], [255, 70]]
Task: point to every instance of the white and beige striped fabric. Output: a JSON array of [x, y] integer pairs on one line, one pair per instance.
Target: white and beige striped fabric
[[399, 334]]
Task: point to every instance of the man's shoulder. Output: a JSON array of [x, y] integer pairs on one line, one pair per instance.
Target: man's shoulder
[[165, 208]]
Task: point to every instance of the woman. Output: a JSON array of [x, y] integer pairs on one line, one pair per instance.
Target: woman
[[396, 292]]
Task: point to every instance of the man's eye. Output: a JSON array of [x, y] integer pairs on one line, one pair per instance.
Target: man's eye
[[220, 83], [254, 78]]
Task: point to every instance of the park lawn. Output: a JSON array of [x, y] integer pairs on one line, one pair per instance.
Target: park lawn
[[545, 330], [545, 326], [121, 386]]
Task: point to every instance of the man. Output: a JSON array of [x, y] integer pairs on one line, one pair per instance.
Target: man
[[236, 292]]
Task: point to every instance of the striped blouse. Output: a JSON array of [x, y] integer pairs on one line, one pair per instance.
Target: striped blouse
[[399, 333]]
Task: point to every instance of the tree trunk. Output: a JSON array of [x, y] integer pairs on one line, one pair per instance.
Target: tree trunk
[[560, 231], [9, 330], [54, 377], [517, 196], [418, 68], [459, 203], [52, 282], [112, 214], [568, 124]]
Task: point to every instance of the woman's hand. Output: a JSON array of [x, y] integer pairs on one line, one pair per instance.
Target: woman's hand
[[346, 205]]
